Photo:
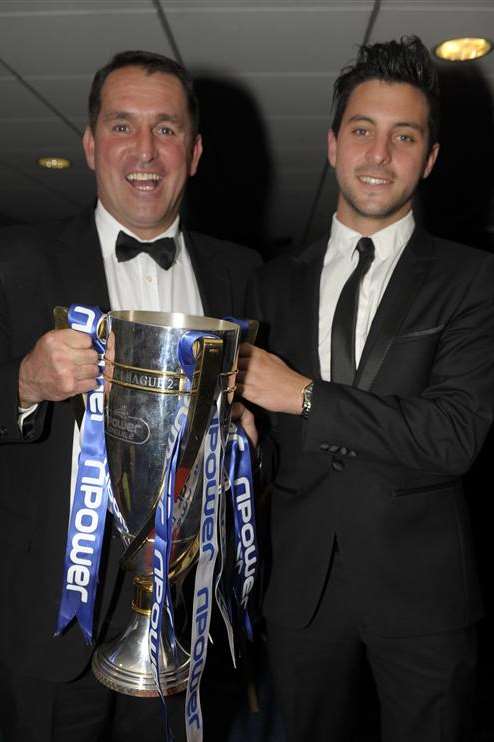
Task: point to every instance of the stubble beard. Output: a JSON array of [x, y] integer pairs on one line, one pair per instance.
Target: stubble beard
[[377, 211]]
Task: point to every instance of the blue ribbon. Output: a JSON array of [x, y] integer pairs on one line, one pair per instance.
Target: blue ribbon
[[185, 353], [242, 323], [239, 466], [161, 599], [161, 558], [242, 493], [203, 587], [88, 513]]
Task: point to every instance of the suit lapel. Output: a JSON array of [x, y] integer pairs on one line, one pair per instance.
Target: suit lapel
[[305, 307], [213, 280], [401, 291], [79, 268]]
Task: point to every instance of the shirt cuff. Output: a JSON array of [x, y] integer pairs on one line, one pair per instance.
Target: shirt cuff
[[24, 413]]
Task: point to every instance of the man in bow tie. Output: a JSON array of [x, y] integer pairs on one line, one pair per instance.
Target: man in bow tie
[[130, 252], [380, 385]]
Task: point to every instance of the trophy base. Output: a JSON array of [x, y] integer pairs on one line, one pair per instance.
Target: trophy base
[[124, 666]]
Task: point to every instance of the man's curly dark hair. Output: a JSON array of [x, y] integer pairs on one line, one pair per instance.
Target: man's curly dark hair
[[403, 61]]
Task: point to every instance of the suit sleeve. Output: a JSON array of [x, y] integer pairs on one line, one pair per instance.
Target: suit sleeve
[[266, 422], [9, 384], [244, 268], [440, 431]]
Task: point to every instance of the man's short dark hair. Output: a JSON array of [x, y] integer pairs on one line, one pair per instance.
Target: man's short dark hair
[[405, 61], [150, 62]]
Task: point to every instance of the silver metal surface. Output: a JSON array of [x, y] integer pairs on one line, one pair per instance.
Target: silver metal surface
[[145, 389], [123, 664]]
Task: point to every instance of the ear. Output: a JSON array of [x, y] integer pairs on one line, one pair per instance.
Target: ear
[[332, 147], [431, 159], [88, 146], [196, 155]]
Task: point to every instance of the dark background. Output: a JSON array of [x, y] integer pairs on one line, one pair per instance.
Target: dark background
[[264, 73]]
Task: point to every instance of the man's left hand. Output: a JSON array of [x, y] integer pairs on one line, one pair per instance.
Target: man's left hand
[[268, 382]]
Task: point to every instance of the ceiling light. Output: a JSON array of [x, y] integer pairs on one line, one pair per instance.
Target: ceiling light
[[54, 163], [463, 50]]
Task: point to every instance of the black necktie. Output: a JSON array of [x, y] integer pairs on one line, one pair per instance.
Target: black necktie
[[343, 366], [162, 250]]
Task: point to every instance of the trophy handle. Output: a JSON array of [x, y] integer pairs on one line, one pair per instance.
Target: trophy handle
[[208, 369], [251, 334], [61, 322], [61, 318]]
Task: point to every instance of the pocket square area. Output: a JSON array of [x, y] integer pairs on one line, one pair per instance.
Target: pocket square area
[[419, 333]]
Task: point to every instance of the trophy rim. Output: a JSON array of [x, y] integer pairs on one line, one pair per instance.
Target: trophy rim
[[172, 320]]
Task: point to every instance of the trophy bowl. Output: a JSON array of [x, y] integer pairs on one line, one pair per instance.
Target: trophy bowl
[[146, 392]]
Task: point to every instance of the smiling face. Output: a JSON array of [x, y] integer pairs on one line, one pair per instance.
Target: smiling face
[[380, 154], [142, 149]]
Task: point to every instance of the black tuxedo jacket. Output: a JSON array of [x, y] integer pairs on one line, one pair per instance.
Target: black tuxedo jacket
[[39, 269], [379, 464]]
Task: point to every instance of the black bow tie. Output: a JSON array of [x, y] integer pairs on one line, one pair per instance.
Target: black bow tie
[[162, 250]]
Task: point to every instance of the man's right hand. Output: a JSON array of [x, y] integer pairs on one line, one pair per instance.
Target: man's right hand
[[61, 364]]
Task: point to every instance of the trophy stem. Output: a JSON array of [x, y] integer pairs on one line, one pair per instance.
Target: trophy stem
[[123, 664]]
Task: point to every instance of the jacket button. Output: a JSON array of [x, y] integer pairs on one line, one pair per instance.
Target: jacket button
[[343, 451], [337, 465], [352, 453], [324, 446], [334, 449]]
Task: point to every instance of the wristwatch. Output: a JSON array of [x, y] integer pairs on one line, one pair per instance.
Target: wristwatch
[[307, 399]]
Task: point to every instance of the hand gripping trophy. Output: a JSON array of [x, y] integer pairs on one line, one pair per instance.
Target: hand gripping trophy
[[153, 445]]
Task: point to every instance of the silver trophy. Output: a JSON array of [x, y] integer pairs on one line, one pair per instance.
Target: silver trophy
[[145, 390]]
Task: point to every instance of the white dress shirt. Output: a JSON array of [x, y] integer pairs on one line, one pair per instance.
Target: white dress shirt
[[139, 284], [340, 261]]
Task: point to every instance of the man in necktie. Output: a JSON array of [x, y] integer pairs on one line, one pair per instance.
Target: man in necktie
[[130, 252], [379, 381]]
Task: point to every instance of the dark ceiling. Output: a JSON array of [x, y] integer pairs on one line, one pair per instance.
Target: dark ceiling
[[264, 72]]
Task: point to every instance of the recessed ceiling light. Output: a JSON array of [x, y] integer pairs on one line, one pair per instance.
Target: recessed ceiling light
[[463, 50], [54, 163]]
